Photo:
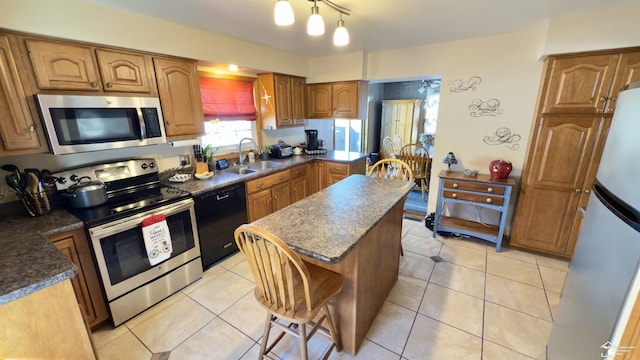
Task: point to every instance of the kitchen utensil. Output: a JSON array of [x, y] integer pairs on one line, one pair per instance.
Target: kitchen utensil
[[86, 193], [14, 183], [38, 176]]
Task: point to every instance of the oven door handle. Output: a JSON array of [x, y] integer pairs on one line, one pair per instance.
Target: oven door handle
[[115, 227]]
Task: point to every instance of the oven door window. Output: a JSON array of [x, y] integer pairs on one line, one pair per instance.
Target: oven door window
[[125, 254], [95, 125]]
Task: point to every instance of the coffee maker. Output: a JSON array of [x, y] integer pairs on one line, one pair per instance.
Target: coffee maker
[[312, 139]]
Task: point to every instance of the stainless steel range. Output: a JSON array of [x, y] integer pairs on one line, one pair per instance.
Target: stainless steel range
[[132, 281]]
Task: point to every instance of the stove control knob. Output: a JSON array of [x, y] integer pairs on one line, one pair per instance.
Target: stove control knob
[[144, 166], [61, 180], [152, 164]]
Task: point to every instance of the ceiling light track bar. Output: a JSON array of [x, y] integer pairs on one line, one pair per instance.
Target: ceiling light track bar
[[341, 9]]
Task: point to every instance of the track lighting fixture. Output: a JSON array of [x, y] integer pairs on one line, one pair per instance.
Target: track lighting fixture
[[283, 15]]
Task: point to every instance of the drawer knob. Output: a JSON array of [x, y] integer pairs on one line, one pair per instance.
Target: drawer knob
[[490, 190], [488, 200], [455, 185], [454, 195]]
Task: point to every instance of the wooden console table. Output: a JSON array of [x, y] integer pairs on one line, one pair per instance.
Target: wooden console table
[[481, 191]]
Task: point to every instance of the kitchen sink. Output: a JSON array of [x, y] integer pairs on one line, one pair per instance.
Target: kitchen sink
[[264, 165], [241, 170]]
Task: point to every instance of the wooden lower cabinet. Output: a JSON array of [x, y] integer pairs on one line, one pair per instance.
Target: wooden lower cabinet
[[268, 194], [45, 324], [300, 183], [86, 284], [332, 172]]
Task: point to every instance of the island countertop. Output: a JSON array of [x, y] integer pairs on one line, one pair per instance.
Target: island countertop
[[329, 223], [28, 260]]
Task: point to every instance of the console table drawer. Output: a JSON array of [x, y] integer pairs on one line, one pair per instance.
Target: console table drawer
[[474, 186], [474, 197]]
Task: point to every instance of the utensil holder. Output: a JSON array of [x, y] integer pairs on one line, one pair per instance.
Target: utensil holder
[[36, 204]]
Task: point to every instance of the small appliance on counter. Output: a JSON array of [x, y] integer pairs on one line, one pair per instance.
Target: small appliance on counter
[[281, 150], [314, 145]]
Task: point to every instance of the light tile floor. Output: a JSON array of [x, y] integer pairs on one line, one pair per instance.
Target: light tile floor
[[467, 302]]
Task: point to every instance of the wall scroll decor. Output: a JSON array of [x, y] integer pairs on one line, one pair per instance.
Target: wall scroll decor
[[459, 86], [490, 107], [503, 136]]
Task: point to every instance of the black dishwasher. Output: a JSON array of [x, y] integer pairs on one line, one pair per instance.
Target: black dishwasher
[[218, 214]]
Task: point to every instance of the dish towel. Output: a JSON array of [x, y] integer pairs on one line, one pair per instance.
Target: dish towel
[[157, 239]]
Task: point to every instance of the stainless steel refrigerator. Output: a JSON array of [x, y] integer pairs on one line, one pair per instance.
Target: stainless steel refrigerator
[[603, 282]]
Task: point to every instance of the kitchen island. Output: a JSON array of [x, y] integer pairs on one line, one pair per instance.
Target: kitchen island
[[354, 228]]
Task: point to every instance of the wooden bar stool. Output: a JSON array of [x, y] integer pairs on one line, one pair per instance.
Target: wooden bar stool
[[294, 293]]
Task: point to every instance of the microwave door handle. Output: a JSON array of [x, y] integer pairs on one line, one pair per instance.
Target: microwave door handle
[[143, 129]]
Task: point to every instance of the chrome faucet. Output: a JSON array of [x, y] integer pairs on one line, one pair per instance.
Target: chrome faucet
[[241, 157]]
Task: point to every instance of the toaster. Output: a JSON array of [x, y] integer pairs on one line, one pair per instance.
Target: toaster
[[280, 151]]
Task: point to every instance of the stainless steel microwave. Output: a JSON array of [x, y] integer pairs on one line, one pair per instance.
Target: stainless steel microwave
[[89, 123]]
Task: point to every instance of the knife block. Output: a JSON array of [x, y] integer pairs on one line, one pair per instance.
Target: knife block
[[201, 167]]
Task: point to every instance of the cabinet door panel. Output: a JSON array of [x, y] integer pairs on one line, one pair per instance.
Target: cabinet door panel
[[67, 247], [298, 100], [345, 100], [544, 219], [580, 85], [63, 66], [260, 204], [179, 92], [17, 128], [283, 100], [563, 152], [319, 101], [628, 71], [299, 188], [281, 194], [125, 72]]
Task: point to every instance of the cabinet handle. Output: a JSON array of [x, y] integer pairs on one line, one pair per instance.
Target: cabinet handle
[[610, 110], [32, 128], [281, 178], [488, 200], [455, 185], [615, 98], [587, 191], [259, 186], [490, 190], [578, 190], [598, 111], [168, 121], [454, 195], [94, 84], [109, 85], [603, 99]]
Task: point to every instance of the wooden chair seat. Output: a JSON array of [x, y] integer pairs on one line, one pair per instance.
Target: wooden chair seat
[[294, 293]]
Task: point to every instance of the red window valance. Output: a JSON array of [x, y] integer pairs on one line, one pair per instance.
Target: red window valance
[[227, 99]]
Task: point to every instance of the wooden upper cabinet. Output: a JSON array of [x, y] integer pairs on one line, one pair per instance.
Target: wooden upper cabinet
[[345, 99], [19, 133], [179, 91], [63, 66], [282, 100], [628, 71], [579, 85], [126, 72], [298, 92], [319, 101], [66, 66]]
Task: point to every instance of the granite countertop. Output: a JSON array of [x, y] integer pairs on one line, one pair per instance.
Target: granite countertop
[[224, 178], [329, 223], [28, 260]]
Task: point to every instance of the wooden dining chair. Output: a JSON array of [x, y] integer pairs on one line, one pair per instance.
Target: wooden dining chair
[[388, 147], [417, 157], [294, 293], [392, 169]]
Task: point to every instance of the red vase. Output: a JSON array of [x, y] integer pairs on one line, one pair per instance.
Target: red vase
[[500, 169]]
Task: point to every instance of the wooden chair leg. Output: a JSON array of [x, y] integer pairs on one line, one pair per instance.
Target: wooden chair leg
[[302, 331], [265, 335], [332, 329], [423, 185]]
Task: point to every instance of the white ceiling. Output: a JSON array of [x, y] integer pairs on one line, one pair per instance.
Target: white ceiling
[[373, 25]]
